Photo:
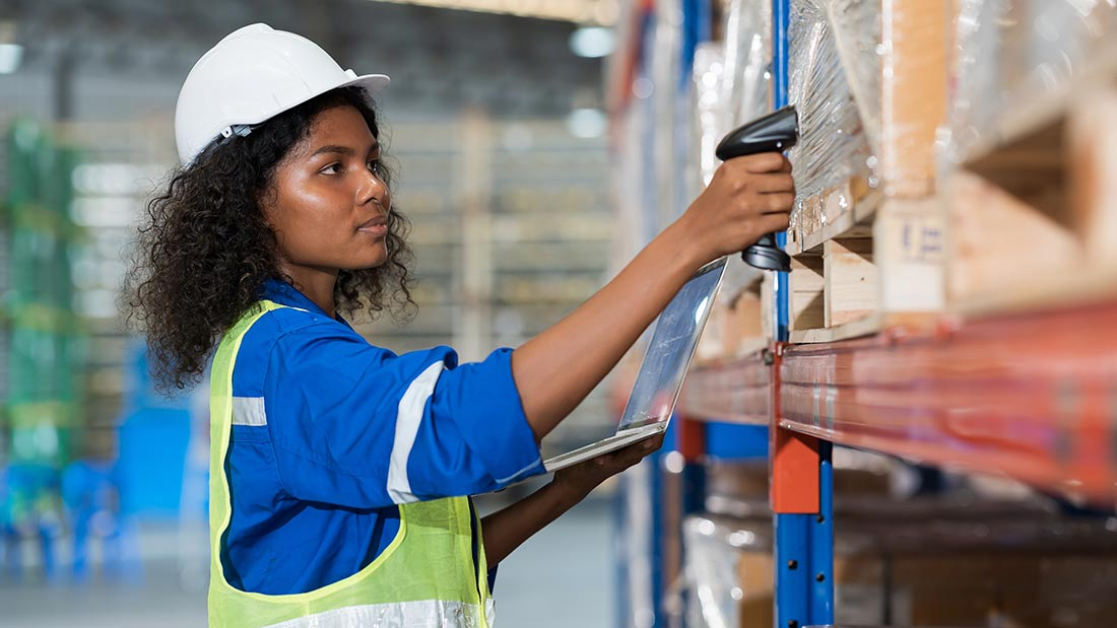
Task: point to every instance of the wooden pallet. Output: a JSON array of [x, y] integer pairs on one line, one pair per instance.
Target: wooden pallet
[[1033, 210], [868, 251], [844, 210], [862, 280]]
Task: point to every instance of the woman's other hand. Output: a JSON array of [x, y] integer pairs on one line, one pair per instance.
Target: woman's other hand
[[580, 479]]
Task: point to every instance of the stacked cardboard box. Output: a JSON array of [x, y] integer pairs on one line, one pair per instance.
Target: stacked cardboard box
[[1017, 568]]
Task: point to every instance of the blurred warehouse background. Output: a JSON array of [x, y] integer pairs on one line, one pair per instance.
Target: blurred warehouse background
[[941, 361], [495, 123]]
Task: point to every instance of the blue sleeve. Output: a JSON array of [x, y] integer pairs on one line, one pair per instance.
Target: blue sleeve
[[358, 426]]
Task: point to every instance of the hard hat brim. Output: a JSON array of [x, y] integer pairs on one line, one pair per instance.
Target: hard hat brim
[[371, 83]]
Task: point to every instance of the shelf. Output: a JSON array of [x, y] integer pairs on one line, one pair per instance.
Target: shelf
[[854, 329], [735, 391], [1028, 396]]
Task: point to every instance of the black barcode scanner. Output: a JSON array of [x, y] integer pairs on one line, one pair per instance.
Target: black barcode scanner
[[773, 133]]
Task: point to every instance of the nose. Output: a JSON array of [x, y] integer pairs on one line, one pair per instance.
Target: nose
[[373, 188]]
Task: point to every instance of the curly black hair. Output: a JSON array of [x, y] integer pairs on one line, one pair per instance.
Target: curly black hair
[[205, 249]]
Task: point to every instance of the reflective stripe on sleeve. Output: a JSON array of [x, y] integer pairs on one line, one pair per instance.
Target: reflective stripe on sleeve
[[410, 415]]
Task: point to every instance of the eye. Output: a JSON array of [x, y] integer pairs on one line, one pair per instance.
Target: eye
[[333, 168], [375, 167]]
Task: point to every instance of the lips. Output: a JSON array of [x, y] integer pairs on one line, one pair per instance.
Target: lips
[[376, 226]]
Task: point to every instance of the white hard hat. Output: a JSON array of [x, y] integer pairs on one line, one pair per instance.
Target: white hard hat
[[253, 74]]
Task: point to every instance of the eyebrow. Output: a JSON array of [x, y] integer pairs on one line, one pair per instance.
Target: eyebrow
[[342, 150]]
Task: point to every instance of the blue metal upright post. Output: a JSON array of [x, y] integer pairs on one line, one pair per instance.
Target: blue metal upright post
[[822, 541], [804, 539], [793, 570], [781, 18]]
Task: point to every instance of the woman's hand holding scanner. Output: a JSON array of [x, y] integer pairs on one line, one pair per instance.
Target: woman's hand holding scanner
[[772, 133], [748, 197]]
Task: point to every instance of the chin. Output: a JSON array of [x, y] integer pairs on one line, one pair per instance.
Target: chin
[[365, 258], [371, 262]]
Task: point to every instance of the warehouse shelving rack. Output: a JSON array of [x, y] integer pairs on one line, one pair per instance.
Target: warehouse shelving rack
[[1026, 395], [42, 336]]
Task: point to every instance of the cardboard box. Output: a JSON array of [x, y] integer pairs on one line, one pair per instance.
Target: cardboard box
[[994, 590]]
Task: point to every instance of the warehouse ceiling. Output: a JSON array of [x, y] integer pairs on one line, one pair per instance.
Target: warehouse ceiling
[[439, 60]]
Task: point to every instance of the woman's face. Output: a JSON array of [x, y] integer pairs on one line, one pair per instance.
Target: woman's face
[[330, 207]]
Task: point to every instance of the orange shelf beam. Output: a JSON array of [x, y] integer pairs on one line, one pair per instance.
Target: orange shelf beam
[[732, 391], [1031, 396]]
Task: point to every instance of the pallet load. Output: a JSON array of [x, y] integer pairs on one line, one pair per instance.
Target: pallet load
[[931, 563], [730, 85], [1028, 155], [869, 82]]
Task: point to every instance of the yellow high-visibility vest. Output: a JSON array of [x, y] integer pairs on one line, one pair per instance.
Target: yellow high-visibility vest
[[425, 577]]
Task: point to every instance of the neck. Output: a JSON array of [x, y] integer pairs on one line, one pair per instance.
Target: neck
[[316, 283]]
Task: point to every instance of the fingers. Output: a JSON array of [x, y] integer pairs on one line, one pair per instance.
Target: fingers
[[762, 163], [629, 456], [632, 454], [774, 183], [773, 223], [778, 203], [737, 178], [643, 448]]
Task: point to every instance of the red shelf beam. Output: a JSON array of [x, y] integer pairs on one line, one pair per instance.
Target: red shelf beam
[[736, 391], [1032, 396]]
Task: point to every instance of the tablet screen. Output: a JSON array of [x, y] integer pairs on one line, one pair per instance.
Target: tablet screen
[[671, 348]]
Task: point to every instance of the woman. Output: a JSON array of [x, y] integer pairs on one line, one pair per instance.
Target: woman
[[340, 472]]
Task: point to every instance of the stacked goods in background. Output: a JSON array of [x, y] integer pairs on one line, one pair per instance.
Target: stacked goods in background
[[955, 161], [41, 335], [1029, 153], [869, 82], [730, 85], [982, 553], [918, 564], [42, 391]]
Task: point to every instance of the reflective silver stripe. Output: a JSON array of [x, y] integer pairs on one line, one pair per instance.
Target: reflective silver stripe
[[409, 417], [517, 474], [249, 411], [424, 614]]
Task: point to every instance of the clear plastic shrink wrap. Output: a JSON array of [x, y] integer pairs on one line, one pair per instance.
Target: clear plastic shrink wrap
[[917, 564], [711, 571], [746, 79], [730, 85], [707, 116], [835, 126], [869, 80], [1010, 55]]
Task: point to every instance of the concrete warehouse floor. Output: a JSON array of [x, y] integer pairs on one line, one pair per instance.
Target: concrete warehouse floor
[[572, 560]]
